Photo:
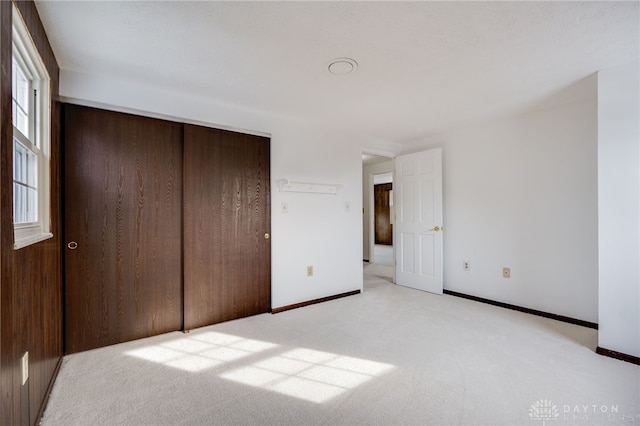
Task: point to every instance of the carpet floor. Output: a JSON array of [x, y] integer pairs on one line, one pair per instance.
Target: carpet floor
[[388, 356]]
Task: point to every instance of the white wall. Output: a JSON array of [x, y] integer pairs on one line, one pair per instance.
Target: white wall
[[317, 230], [367, 196], [522, 193], [619, 209]]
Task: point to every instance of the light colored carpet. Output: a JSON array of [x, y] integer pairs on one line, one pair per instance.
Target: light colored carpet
[[389, 356]]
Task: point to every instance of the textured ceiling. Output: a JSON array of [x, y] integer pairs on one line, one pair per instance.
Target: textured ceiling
[[424, 67]]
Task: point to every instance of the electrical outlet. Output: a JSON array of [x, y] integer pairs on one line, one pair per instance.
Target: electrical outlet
[[506, 272], [309, 271], [465, 265], [284, 207], [25, 367]]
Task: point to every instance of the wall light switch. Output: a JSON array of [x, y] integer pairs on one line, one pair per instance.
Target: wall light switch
[[284, 207], [506, 272], [309, 271], [347, 206]]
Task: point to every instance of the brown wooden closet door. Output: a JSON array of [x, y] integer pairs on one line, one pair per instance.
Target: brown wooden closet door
[[123, 227], [227, 257], [382, 210]]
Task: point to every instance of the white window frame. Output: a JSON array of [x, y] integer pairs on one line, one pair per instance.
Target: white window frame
[[26, 53]]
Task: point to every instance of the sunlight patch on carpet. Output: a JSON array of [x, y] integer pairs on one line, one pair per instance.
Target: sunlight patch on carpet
[[308, 374], [201, 351]]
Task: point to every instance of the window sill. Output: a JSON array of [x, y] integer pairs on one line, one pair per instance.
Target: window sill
[[31, 239]]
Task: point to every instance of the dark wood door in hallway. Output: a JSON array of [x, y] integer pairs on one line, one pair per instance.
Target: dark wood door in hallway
[[382, 214]]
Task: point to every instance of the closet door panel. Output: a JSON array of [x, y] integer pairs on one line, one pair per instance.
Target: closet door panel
[[227, 250], [123, 227]]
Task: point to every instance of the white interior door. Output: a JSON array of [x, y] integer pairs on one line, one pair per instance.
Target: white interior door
[[418, 223]]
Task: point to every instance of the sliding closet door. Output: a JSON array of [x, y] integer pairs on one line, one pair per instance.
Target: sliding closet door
[[227, 250], [123, 227]]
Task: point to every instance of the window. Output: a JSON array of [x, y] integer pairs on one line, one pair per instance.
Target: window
[[30, 92]]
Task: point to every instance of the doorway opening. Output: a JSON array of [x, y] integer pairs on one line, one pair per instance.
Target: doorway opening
[[382, 218], [377, 219]]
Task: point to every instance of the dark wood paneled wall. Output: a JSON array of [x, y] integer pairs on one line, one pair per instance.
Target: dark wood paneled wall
[[227, 268], [123, 209], [30, 289]]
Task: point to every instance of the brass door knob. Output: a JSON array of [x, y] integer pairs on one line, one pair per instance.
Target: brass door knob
[[72, 245], [266, 236], [435, 228]]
